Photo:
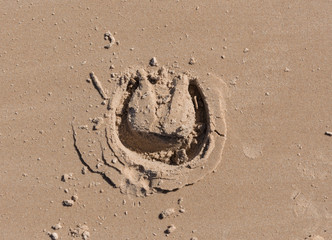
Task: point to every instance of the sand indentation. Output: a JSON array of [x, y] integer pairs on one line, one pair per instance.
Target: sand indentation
[[158, 133]]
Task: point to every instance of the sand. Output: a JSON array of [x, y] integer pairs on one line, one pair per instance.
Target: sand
[[165, 120]]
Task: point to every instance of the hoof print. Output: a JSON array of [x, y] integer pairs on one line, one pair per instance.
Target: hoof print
[[161, 130]]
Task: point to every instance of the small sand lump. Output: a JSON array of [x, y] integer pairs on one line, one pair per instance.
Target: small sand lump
[[166, 213], [153, 62], [54, 236], [84, 170], [192, 61], [68, 203], [65, 177], [57, 226], [108, 36], [170, 229], [74, 198], [85, 235]]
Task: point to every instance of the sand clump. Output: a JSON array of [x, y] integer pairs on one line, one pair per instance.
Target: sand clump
[[192, 61], [153, 62], [68, 202], [84, 170], [57, 226], [74, 197], [54, 236], [166, 213], [170, 229], [110, 38], [65, 177]]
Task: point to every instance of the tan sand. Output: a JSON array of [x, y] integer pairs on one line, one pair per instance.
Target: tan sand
[[165, 120]]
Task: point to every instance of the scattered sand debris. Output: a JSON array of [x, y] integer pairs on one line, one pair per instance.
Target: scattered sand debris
[[86, 127], [98, 123], [84, 170], [98, 86], [68, 203], [109, 37], [93, 184], [328, 133], [234, 81], [57, 226], [171, 228], [192, 61], [245, 50], [81, 230], [65, 177], [166, 213], [53, 236], [153, 62]]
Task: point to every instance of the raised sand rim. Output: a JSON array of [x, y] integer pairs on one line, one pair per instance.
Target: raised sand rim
[[161, 130]]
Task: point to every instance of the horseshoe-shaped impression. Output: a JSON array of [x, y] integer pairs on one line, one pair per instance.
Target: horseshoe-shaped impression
[[161, 130]]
